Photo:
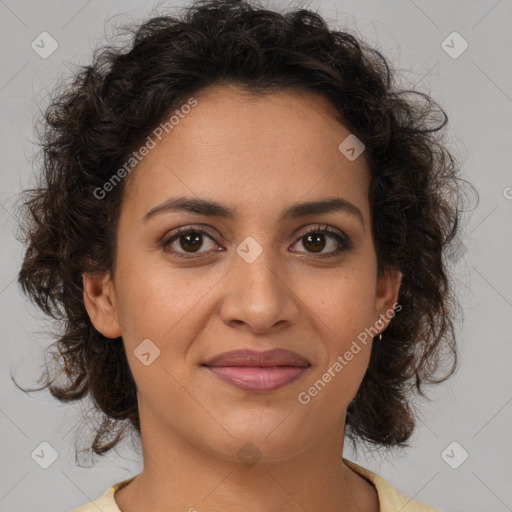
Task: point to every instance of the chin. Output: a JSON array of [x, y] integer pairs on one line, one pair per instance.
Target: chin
[[263, 445]]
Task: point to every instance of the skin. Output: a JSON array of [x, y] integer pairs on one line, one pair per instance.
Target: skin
[[258, 155]]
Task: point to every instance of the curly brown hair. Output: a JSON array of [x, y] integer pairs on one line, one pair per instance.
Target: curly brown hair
[[93, 124]]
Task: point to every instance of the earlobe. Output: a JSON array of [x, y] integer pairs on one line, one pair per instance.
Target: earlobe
[[388, 288], [99, 301]]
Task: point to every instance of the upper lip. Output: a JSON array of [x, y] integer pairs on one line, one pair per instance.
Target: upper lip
[[242, 357]]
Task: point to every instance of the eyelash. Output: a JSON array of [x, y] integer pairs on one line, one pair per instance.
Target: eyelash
[[343, 240]]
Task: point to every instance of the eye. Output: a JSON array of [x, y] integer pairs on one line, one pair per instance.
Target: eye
[[316, 239], [189, 239]]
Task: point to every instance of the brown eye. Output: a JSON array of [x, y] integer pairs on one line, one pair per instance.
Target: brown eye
[[316, 240], [185, 241], [192, 241]]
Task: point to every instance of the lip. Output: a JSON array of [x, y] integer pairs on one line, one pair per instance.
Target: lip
[[245, 357], [250, 370]]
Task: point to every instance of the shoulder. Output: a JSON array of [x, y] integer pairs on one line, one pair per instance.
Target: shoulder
[[106, 502], [390, 499]]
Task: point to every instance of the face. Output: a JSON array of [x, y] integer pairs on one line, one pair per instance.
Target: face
[[254, 279]]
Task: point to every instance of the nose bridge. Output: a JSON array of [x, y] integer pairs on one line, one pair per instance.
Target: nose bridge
[[256, 264], [257, 293]]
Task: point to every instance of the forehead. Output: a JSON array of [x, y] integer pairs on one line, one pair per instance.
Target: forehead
[[252, 152]]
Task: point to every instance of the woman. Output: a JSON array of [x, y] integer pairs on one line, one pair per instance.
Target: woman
[[243, 223]]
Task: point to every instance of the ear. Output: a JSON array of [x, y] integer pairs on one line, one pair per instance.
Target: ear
[[388, 286], [99, 300]]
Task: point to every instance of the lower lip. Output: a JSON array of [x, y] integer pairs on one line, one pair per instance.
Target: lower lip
[[260, 379]]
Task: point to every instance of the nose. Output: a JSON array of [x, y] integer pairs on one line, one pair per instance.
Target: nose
[[258, 293]]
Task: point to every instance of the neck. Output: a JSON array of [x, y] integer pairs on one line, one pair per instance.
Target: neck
[[183, 475]]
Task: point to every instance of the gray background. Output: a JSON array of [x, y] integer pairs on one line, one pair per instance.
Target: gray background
[[473, 408]]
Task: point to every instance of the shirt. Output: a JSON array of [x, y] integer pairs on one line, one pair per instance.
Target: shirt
[[390, 499]]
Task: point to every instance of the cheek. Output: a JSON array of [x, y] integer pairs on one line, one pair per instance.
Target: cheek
[[156, 306], [342, 314], [340, 326], [343, 303], [153, 297]]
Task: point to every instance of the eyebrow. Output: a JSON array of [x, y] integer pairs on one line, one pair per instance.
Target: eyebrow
[[214, 209]]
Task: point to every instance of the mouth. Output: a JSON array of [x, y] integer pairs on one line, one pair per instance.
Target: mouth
[[258, 371]]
